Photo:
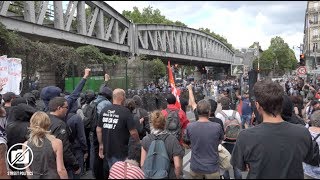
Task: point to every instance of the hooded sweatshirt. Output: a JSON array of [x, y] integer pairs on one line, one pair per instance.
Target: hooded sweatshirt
[[51, 92], [31, 99], [74, 121], [18, 122]]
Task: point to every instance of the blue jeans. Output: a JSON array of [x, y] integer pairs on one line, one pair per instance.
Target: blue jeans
[[111, 160], [245, 119]]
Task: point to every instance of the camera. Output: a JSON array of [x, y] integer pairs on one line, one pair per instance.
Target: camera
[[24, 159]]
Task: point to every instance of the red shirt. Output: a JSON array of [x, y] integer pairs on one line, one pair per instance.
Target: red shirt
[[184, 121]]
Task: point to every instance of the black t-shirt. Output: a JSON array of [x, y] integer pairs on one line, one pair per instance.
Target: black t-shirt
[[273, 150], [116, 121]]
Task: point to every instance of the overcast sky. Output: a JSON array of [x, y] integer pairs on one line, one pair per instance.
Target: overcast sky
[[240, 22]]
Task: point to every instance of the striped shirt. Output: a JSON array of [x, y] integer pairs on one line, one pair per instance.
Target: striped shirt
[[133, 172]]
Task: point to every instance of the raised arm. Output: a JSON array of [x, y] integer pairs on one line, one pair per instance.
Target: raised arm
[[76, 92], [192, 101]]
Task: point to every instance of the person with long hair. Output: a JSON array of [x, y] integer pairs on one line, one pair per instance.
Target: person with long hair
[[47, 150]]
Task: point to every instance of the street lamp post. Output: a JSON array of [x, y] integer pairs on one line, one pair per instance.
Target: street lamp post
[[256, 53]]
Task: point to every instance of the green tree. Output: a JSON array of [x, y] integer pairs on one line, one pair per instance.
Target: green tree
[[156, 69], [218, 37], [278, 57], [149, 16]]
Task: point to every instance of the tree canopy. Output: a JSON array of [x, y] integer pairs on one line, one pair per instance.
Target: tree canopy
[[151, 16], [218, 37], [278, 58]]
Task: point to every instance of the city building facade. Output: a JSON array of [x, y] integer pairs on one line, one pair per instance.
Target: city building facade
[[311, 39]]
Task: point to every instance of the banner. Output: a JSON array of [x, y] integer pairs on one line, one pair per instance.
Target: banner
[[10, 74], [174, 90]]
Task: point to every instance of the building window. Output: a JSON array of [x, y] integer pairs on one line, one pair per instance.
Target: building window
[[315, 47], [315, 5], [315, 19], [315, 32]]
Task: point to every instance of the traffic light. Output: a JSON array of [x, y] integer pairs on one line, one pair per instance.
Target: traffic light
[[302, 60]]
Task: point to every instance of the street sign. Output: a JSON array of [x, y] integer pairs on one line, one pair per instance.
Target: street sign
[[302, 70], [237, 69]]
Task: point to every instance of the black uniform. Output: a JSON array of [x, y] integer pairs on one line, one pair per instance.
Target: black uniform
[[62, 131]]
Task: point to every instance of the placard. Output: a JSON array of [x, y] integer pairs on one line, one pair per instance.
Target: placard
[[10, 74]]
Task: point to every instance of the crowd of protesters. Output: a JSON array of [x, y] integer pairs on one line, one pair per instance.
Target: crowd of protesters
[[145, 133]]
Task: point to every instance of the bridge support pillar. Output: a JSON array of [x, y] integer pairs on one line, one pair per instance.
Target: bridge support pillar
[[58, 15]]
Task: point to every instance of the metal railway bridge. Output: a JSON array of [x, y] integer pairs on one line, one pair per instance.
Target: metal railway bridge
[[98, 24]]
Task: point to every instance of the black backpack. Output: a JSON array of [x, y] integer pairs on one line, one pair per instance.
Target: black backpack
[[315, 161], [91, 115], [173, 125]]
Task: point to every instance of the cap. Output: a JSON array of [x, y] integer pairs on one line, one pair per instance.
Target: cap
[[8, 96]]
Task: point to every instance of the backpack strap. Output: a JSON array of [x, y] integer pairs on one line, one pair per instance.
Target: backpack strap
[[224, 115], [154, 137], [316, 137], [170, 110], [234, 114], [100, 101]]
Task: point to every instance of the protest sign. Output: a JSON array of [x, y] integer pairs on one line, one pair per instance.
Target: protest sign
[[10, 74]]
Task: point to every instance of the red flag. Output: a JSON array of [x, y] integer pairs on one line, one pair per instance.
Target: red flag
[[174, 90]]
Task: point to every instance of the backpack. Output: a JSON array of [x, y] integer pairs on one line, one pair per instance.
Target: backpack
[[173, 125], [315, 161], [232, 126], [157, 162], [140, 127], [90, 115]]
